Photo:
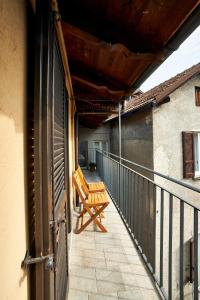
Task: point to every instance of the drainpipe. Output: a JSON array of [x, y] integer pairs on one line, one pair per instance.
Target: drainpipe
[[120, 151], [120, 131]]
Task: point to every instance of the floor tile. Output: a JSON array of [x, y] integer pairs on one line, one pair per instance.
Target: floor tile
[[90, 262], [83, 272], [82, 284], [134, 294], [89, 253], [109, 276], [83, 245], [107, 287], [77, 295], [129, 279], [149, 294], [102, 297], [118, 257], [134, 259], [144, 282]]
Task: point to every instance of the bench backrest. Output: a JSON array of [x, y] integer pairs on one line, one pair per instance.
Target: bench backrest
[[83, 180], [82, 175], [77, 181]]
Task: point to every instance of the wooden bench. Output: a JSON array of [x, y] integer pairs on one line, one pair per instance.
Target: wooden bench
[[93, 186], [94, 204]]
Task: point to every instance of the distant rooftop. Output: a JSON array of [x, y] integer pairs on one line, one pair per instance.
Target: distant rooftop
[[161, 91]]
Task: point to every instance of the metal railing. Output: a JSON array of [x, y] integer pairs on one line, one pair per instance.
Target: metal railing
[[163, 225]]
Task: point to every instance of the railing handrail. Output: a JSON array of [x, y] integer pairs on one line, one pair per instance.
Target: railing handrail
[[153, 182], [193, 188]]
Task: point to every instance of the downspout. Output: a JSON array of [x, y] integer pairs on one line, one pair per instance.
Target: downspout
[[120, 131], [120, 150]]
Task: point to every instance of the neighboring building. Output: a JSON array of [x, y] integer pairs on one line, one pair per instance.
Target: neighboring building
[[171, 112], [90, 139], [161, 130]]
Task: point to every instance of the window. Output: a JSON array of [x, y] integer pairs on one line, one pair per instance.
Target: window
[[191, 154], [197, 96]]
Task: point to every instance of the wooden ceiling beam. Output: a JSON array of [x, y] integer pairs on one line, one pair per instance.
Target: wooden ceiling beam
[[100, 90], [72, 33], [113, 62]]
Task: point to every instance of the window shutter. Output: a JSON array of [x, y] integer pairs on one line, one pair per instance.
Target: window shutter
[[188, 154], [197, 96]]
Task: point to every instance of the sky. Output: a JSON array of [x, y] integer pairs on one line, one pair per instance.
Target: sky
[[187, 55]]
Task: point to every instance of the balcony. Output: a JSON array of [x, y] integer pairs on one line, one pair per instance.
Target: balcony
[[151, 248], [107, 265]]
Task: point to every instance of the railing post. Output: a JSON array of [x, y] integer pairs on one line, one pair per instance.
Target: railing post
[[196, 280], [161, 235], [170, 246], [181, 258]]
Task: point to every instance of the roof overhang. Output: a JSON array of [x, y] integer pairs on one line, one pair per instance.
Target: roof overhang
[[113, 46]]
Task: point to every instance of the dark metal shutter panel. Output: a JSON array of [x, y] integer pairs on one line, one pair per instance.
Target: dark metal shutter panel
[[58, 131], [197, 96], [188, 154], [59, 188]]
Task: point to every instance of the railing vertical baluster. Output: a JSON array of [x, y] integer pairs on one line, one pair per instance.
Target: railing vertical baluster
[[133, 201], [161, 235], [154, 222], [145, 222], [137, 208], [170, 246], [122, 188], [125, 193], [114, 181], [125, 190], [181, 248], [143, 215], [129, 196], [135, 211], [122, 180], [149, 212], [128, 202], [196, 281], [118, 196], [140, 212]]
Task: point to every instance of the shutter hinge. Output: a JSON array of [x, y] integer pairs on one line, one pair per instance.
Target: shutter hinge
[[28, 260]]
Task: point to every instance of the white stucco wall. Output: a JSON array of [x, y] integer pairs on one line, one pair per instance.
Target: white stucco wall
[[169, 120], [13, 241]]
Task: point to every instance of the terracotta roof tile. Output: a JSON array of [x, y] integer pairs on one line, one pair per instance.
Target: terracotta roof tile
[[161, 91]]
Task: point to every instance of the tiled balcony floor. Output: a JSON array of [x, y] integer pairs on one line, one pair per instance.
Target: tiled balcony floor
[[106, 265]]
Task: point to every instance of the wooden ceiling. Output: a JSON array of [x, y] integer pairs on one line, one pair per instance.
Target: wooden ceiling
[[113, 45]]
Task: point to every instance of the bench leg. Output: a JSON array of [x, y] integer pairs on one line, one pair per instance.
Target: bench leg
[[93, 217]]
